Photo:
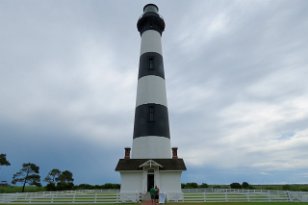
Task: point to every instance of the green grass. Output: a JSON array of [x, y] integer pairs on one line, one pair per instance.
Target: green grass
[[241, 203], [212, 203], [14, 189], [88, 204], [290, 187]]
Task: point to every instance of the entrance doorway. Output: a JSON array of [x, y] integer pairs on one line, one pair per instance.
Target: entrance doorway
[[150, 179]]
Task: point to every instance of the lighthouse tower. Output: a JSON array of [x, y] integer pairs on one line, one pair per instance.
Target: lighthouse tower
[[152, 162], [151, 131]]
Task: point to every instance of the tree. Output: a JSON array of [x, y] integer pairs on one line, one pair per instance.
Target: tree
[[286, 187], [111, 186], [104, 186], [245, 185], [204, 185], [235, 185], [4, 161], [190, 185], [52, 178], [65, 180], [28, 174]]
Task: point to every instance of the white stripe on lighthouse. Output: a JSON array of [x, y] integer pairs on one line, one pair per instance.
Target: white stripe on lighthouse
[[151, 89], [151, 147], [151, 42]]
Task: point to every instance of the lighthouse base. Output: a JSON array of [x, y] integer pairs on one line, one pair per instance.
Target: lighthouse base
[[139, 175]]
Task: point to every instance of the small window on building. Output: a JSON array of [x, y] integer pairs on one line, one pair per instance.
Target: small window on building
[[151, 63], [151, 114]]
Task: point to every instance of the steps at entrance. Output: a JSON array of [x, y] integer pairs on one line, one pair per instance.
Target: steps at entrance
[[147, 202]]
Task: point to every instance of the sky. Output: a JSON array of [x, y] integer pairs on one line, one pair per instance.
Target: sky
[[236, 76]]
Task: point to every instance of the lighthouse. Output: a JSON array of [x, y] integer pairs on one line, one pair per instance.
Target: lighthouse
[[151, 161]]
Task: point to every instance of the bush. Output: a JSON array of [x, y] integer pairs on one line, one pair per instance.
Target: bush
[[286, 187], [65, 186], [204, 185], [84, 186], [104, 186], [111, 186], [235, 185], [245, 185], [51, 187], [191, 185]]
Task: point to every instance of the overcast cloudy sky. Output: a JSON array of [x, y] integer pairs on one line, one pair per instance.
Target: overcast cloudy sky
[[236, 76]]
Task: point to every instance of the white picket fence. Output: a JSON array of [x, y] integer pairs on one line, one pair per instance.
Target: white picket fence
[[189, 195], [69, 197], [240, 195]]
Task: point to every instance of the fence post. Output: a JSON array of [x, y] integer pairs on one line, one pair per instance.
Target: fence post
[[117, 197], [74, 196], [30, 198], [248, 196], [26, 197], [269, 196], [204, 196], [52, 196], [289, 197]]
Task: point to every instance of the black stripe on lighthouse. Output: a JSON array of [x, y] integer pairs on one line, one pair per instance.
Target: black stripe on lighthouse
[[151, 63], [151, 120]]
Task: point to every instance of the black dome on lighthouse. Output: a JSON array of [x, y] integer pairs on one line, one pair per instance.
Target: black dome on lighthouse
[[151, 20]]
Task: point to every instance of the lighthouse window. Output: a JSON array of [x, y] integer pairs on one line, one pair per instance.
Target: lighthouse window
[[150, 8], [151, 114], [151, 63]]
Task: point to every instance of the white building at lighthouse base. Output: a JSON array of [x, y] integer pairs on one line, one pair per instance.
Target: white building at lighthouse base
[[139, 175]]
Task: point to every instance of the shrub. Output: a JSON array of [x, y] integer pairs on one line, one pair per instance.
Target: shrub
[[235, 185]]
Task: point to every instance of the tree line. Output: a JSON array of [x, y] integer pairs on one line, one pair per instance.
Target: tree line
[[29, 174], [246, 185], [235, 185], [56, 179], [63, 180]]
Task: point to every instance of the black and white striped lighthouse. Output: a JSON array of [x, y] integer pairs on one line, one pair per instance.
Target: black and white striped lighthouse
[[151, 162], [151, 129]]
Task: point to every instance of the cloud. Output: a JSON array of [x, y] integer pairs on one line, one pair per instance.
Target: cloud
[[235, 75]]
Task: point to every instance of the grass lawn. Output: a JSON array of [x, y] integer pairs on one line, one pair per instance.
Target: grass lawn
[[14, 189], [242, 203], [211, 203]]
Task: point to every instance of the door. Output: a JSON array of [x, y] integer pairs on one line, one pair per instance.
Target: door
[[150, 179]]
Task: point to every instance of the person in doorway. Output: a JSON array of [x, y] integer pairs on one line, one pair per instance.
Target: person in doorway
[[152, 193], [156, 195]]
